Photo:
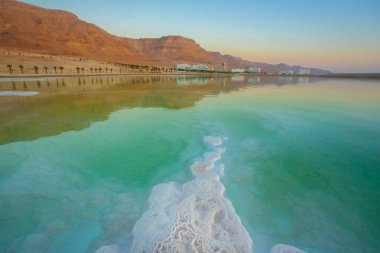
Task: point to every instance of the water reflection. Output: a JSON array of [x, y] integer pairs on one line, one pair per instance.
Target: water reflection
[[66, 104], [238, 78], [185, 80]]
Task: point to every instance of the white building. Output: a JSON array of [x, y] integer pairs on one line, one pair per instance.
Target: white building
[[254, 70], [199, 67], [286, 72], [196, 67], [304, 72], [237, 70], [183, 66], [220, 67]]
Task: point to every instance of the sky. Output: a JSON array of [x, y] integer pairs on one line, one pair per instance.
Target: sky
[[338, 35]]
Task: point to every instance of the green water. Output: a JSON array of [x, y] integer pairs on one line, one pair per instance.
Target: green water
[[78, 160]]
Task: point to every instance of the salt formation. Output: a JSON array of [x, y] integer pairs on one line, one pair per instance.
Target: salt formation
[[282, 248], [193, 217], [18, 93], [107, 249], [216, 141]]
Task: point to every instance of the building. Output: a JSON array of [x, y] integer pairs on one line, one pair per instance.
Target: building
[[199, 67], [224, 66], [183, 67], [187, 67], [254, 70], [304, 72], [237, 70], [286, 72], [220, 67]]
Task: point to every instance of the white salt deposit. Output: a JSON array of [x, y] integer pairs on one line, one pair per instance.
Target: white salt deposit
[[18, 93], [282, 248], [108, 249], [202, 167], [193, 217], [215, 141]]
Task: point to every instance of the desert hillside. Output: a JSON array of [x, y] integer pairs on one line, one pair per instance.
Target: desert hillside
[[33, 29]]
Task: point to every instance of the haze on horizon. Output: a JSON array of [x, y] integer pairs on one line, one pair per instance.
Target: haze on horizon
[[338, 35]]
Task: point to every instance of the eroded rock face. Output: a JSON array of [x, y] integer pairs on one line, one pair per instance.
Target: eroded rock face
[[30, 28], [34, 29], [175, 49]]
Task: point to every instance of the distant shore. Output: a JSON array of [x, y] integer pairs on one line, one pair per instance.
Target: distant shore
[[113, 74], [20, 76], [33, 65]]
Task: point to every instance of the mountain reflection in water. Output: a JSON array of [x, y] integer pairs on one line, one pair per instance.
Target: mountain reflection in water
[[66, 104]]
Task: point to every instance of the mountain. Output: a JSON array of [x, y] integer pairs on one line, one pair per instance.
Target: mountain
[[30, 28]]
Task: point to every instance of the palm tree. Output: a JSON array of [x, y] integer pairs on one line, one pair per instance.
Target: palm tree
[[55, 69], [82, 70], [91, 70], [61, 69], [111, 70], [78, 69], [96, 70], [9, 66], [36, 69], [46, 69], [21, 68], [100, 70], [106, 70]]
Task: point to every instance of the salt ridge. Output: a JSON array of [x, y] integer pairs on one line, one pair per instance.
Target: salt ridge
[[193, 217]]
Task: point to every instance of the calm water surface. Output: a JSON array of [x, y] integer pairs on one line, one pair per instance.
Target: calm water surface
[[79, 157]]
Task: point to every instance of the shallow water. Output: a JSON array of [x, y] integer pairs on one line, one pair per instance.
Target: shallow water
[[79, 159]]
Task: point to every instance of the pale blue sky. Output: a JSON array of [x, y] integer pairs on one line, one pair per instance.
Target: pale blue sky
[[340, 35]]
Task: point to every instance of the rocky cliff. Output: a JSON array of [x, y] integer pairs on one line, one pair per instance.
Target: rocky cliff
[[26, 27]]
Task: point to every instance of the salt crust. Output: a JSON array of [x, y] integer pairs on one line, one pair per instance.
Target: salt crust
[[282, 248], [193, 217], [215, 141]]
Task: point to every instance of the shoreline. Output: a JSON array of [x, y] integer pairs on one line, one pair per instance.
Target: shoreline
[[71, 65], [20, 76]]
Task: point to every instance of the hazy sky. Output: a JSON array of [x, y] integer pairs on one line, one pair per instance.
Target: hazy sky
[[340, 35]]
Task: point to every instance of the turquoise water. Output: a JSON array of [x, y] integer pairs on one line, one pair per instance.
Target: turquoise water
[[80, 158]]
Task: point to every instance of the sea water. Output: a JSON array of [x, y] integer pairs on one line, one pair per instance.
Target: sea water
[[84, 163]]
